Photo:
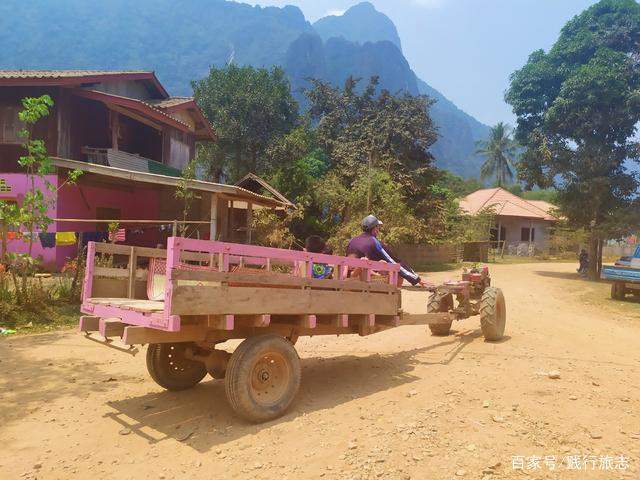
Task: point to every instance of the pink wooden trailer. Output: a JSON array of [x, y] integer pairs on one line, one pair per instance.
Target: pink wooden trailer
[[196, 294]]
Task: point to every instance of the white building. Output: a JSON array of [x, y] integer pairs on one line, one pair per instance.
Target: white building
[[522, 226]]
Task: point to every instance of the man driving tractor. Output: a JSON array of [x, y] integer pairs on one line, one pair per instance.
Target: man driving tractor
[[367, 245]]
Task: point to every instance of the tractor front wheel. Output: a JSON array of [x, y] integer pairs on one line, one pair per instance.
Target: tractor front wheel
[[493, 314], [440, 303]]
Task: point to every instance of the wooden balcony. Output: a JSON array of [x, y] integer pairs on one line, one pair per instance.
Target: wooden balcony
[[110, 157]]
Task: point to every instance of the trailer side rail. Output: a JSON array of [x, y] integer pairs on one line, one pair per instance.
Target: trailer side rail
[[220, 280]]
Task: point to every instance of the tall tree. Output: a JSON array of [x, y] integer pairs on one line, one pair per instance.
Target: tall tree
[[500, 153], [367, 129], [248, 107], [578, 106]]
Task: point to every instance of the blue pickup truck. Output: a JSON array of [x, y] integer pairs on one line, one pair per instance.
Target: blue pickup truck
[[624, 276]]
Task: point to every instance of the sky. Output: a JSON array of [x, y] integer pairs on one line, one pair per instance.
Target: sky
[[466, 49]]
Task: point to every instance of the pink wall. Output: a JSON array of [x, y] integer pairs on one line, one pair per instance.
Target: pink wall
[[19, 185], [82, 201]]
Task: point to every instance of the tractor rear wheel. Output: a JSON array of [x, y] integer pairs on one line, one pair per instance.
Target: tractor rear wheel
[[263, 377], [493, 314], [440, 303], [169, 367]]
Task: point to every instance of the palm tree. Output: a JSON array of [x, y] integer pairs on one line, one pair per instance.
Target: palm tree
[[500, 153]]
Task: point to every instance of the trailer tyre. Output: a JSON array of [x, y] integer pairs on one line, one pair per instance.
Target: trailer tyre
[[440, 303], [618, 291], [170, 369], [493, 314], [263, 377]]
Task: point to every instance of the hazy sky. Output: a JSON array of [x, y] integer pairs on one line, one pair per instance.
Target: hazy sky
[[465, 48]]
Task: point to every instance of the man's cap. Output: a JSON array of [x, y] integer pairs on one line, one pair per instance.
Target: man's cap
[[370, 222]]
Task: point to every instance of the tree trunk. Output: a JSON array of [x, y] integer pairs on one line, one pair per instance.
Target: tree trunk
[[600, 247], [595, 257], [3, 241]]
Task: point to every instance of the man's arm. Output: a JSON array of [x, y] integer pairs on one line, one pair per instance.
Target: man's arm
[[405, 272]]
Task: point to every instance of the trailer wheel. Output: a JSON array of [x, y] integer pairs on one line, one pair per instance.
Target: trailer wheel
[[167, 365], [493, 314], [263, 377], [618, 291], [440, 303]]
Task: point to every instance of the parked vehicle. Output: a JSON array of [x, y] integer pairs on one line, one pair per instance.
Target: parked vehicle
[[624, 276], [198, 294], [623, 262]]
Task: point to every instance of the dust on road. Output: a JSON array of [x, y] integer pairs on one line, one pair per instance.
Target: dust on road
[[397, 405]]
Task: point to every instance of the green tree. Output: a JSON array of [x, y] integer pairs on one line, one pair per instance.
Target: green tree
[[377, 130], [500, 153], [458, 186], [32, 214], [578, 106], [249, 108], [185, 193], [299, 166], [346, 206]]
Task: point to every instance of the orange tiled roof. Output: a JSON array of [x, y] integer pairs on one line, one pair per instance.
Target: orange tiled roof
[[506, 204]]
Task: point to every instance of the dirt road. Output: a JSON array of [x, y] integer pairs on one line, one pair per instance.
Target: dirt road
[[400, 404]]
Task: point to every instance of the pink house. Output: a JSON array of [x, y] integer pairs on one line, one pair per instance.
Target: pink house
[[131, 139]]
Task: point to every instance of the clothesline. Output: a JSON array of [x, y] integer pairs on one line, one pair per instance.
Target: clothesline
[[67, 238], [164, 222]]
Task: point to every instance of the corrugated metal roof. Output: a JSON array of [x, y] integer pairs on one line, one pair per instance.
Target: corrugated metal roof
[[253, 178], [230, 190], [66, 73], [504, 203], [77, 77]]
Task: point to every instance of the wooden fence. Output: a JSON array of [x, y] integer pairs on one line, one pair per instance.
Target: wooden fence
[[417, 255]]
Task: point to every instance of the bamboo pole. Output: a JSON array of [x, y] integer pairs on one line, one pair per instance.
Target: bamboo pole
[[159, 222]]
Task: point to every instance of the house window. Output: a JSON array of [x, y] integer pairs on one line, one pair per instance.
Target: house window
[[524, 235], [4, 188], [10, 125]]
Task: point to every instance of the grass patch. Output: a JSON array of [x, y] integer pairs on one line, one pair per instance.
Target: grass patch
[[598, 294], [55, 317]]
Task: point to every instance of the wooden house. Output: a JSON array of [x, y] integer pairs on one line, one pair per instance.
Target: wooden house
[[131, 139]]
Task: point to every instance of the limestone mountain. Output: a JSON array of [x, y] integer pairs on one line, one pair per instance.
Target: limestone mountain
[[361, 23], [181, 39]]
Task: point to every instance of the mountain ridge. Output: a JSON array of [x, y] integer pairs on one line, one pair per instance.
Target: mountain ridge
[[180, 47], [364, 24], [459, 131]]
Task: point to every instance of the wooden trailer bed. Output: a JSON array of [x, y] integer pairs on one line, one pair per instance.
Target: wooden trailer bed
[[221, 286]]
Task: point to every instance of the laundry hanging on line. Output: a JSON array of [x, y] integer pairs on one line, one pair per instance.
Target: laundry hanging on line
[[117, 236], [64, 239], [97, 237], [47, 239]]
